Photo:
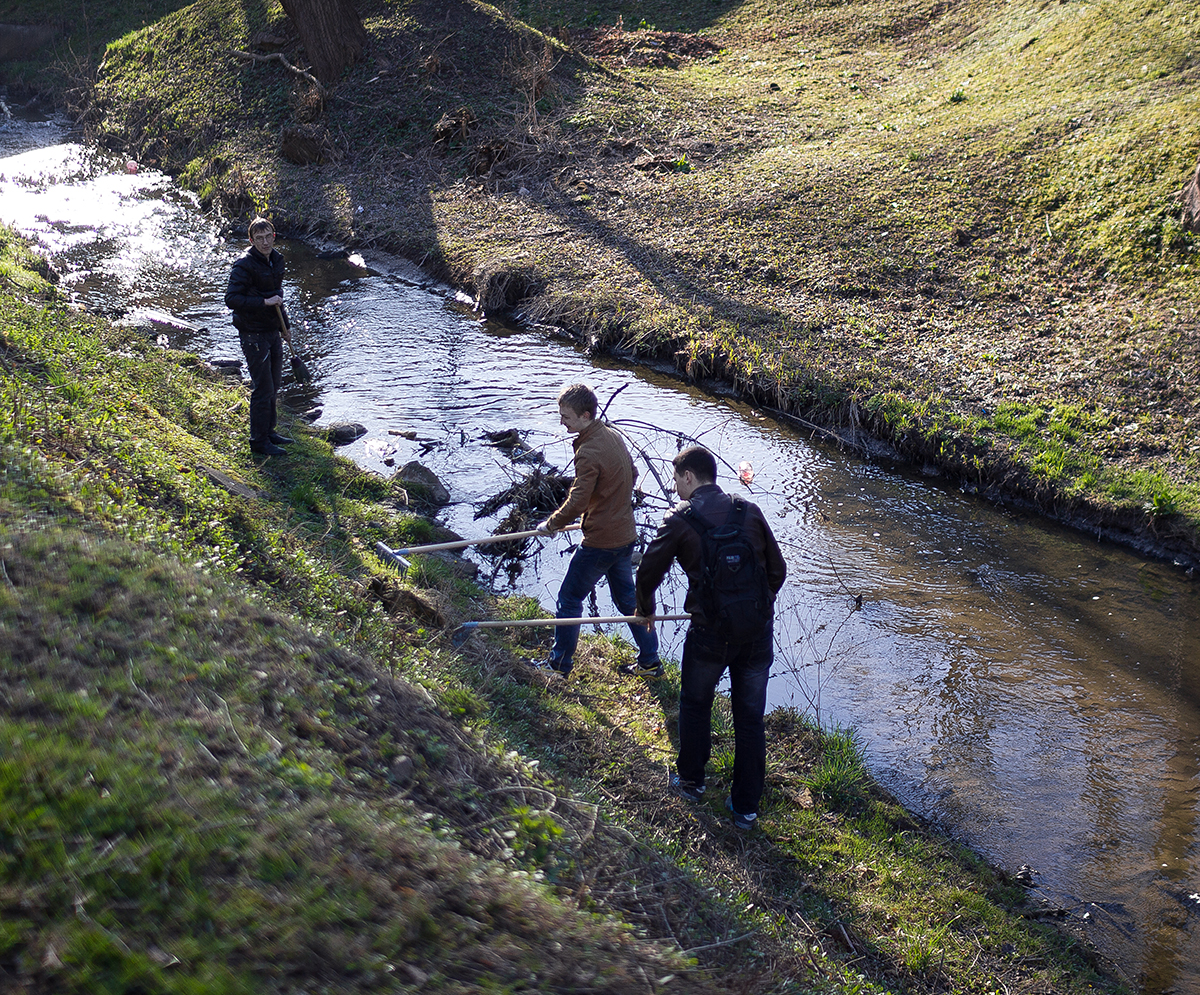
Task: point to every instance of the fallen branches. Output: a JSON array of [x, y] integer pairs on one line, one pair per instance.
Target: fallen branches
[[278, 57]]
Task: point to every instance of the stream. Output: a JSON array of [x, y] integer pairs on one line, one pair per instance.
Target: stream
[[1031, 691]]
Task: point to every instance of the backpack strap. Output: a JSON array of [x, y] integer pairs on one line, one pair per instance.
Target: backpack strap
[[737, 512], [690, 516]]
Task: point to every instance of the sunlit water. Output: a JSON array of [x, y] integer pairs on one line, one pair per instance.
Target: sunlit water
[[1032, 692]]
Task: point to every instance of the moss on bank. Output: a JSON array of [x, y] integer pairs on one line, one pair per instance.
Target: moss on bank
[[233, 758]]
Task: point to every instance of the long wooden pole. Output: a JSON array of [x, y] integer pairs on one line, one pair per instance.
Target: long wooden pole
[[504, 623], [463, 632], [463, 543]]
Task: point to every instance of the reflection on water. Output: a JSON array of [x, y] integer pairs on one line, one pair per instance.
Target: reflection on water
[[1032, 692]]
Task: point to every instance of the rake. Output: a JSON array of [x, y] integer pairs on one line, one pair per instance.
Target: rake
[[398, 555]]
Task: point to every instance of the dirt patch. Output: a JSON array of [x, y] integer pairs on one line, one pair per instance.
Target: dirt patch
[[655, 49]]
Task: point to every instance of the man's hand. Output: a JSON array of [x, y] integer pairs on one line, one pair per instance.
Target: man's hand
[[544, 528], [272, 301], [647, 621]]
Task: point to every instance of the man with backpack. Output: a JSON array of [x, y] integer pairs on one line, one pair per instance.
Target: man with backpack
[[734, 569]]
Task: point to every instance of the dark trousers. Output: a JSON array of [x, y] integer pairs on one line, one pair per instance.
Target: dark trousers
[[264, 359], [706, 657], [586, 568]]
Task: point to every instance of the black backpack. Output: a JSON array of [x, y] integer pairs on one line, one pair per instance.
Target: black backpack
[[735, 596]]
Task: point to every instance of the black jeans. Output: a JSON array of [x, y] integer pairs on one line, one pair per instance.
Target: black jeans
[[264, 359], [705, 658]]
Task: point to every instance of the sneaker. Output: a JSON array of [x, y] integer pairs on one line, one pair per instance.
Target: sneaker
[[266, 449], [551, 666], [690, 790], [742, 822], [654, 669], [281, 440]]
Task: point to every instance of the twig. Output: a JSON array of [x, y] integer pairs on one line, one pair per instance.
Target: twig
[[7, 578], [642, 453], [507, 817], [232, 727], [841, 583], [825, 432], [153, 703], [683, 437], [557, 798], [278, 57], [722, 943], [611, 399], [846, 938]]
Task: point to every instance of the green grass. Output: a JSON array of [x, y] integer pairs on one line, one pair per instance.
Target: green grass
[[840, 778], [991, 282], [225, 767], [211, 778]]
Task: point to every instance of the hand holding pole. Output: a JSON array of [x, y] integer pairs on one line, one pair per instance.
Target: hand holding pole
[[284, 332]]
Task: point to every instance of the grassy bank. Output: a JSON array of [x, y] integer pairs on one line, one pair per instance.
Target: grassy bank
[[950, 226], [238, 755]]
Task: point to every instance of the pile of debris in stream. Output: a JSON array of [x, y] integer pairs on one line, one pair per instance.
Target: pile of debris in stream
[[532, 497]]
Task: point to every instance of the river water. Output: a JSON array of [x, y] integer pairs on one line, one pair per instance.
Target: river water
[[1031, 691]]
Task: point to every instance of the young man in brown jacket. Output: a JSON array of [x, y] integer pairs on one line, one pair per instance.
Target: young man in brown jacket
[[603, 494], [709, 649]]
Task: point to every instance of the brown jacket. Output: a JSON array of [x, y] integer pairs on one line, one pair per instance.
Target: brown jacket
[[603, 490], [678, 540]]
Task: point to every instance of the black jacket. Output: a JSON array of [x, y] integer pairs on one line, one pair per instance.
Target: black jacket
[[253, 279], [678, 540]]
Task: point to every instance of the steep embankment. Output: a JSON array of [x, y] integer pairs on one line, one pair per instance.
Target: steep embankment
[[236, 755], [950, 225]]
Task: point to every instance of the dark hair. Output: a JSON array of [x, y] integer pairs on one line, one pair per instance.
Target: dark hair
[[580, 398], [260, 224], [699, 460]]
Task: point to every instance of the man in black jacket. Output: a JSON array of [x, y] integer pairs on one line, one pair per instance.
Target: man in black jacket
[[708, 649], [255, 295]]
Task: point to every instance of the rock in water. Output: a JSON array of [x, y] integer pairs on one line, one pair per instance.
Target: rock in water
[[342, 433], [419, 479]]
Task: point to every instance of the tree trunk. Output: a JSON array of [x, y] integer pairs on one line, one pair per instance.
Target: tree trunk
[[331, 32]]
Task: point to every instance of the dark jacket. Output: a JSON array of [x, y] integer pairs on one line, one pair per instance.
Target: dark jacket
[[676, 539], [602, 491], [252, 280]]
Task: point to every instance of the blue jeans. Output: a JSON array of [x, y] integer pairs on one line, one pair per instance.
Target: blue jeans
[[705, 658], [587, 566]]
